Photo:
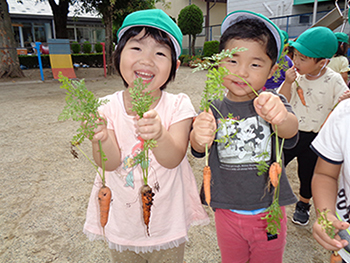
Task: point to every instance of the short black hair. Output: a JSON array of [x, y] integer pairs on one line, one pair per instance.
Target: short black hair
[[157, 35], [252, 29]]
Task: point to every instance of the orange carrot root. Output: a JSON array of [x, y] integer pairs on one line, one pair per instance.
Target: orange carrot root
[[104, 199], [336, 258], [301, 95], [206, 184], [274, 172], [147, 202]]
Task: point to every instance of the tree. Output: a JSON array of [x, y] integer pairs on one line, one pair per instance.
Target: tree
[[190, 22], [9, 66], [60, 15]]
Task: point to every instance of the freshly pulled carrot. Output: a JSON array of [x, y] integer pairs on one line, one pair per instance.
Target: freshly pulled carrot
[[206, 183], [104, 199], [336, 258], [147, 202], [274, 171], [301, 95]]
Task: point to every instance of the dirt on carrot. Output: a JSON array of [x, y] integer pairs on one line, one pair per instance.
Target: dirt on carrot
[[301, 95], [147, 202], [274, 172], [104, 199], [206, 184]]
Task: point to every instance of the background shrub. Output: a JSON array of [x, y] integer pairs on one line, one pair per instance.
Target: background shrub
[[87, 47], [210, 48], [98, 47], [75, 47]]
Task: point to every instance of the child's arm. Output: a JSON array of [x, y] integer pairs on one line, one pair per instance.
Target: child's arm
[[171, 144], [109, 146], [203, 131], [270, 107], [286, 87], [324, 192]]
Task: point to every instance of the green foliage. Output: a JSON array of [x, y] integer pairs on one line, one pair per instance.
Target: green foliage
[[98, 47], [87, 47], [210, 48], [81, 105], [75, 46], [190, 20], [326, 225], [273, 217]]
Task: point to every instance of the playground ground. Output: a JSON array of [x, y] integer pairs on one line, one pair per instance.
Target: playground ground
[[44, 192]]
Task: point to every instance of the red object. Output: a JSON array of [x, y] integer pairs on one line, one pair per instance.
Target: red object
[[44, 49], [104, 58], [67, 72]]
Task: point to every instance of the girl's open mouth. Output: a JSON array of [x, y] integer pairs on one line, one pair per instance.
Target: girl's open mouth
[[146, 77]]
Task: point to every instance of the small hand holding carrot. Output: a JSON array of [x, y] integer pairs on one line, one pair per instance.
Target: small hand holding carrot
[[149, 126], [290, 75], [323, 238], [101, 133], [204, 128], [270, 107]]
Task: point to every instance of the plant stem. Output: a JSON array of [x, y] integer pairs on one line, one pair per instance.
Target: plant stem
[[93, 164]]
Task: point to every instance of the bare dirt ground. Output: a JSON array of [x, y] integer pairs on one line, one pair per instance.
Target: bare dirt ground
[[44, 192]]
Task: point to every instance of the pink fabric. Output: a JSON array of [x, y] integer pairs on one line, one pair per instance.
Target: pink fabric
[[176, 205], [243, 238]]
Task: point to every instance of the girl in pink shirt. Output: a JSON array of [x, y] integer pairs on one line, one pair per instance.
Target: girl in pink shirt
[[149, 44]]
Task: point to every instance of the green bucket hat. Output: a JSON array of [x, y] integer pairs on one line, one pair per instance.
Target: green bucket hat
[[239, 15], [316, 42], [342, 37], [155, 18], [285, 37]]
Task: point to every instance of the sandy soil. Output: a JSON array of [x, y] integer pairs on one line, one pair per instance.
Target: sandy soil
[[44, 192]]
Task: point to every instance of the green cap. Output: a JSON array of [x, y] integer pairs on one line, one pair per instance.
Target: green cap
[[342, 37], [239, 15], [285, 37], [316, 42], [155, 18]]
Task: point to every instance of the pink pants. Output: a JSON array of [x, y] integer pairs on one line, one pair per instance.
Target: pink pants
[[243, 238]]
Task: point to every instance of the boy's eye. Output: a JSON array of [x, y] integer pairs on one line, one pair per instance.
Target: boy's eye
[[255, 65], [232, 61], [161, 54], [136, 48]]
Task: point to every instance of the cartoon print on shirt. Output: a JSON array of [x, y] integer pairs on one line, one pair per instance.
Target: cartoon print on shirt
[[252, 138]]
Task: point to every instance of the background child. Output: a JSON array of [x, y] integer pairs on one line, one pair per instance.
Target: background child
[[321, 89], [339, 62], [238, 195], [331, 180], [148, 48], [276, 80]]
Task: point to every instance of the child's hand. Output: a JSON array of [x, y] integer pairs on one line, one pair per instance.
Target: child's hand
[[323, 238], [150, 126], [344, 96], [291, 75], [203, 131], [270, 107], [101, 133]]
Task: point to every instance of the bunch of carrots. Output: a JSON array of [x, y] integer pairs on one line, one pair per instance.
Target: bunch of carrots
[[214, 90], [81, 105]]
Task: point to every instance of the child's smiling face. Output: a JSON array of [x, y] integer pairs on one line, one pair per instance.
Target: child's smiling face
[[147, 59], [253, 65], [306, 65]]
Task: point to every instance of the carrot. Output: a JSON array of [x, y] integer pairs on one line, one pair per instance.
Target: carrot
[[104, 199], [301, 95], [336, 258], [274, 172], [147, 201], [206, 183]]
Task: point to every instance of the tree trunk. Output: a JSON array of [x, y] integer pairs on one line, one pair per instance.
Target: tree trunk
[[9, 66], [108, 21], [60, 16], [193, 50]]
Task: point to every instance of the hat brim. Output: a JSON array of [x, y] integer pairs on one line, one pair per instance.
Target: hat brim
[[175, 43], [238, 15]]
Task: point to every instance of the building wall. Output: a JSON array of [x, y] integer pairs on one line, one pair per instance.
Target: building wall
[[216, 15]]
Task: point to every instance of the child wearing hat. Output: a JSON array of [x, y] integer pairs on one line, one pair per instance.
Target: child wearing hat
[[149, 45], [239, 195], [313, 90], [339, 62]]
